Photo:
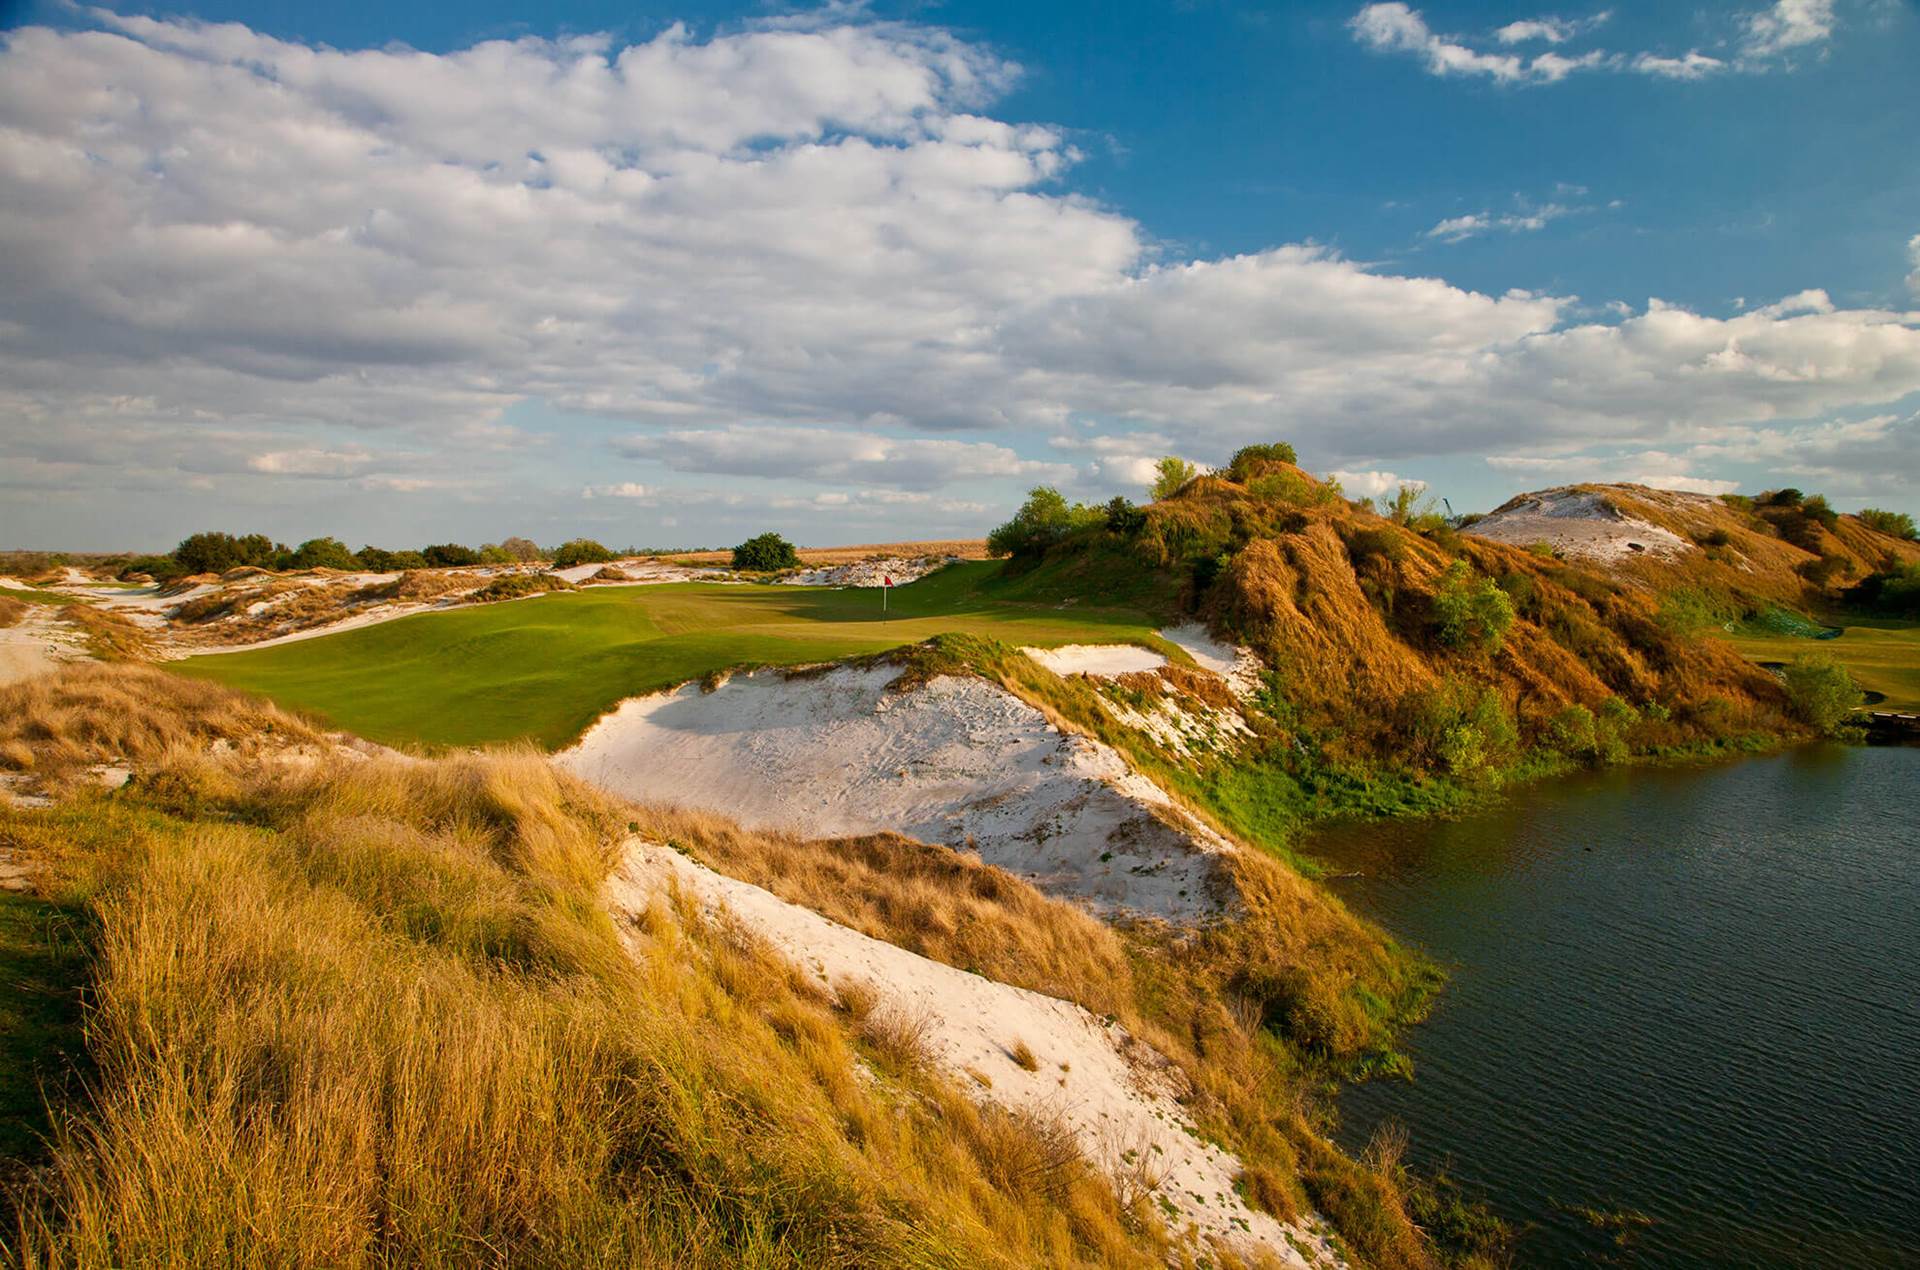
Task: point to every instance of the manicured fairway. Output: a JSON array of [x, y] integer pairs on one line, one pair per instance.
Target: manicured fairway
[[543, 669], [1882, 656]]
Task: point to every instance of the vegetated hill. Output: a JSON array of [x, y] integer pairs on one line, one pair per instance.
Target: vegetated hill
[[1782, 547], [1414, 652]]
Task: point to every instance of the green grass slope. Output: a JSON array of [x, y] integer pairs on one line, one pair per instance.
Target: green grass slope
[[544, 669], [1882, 655]]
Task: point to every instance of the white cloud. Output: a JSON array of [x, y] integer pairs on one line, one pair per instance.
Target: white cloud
[[275, 271], [1764, 39], [1459, 228], [1550, 30], [620, 489], [1372, 483], [1787, 25]]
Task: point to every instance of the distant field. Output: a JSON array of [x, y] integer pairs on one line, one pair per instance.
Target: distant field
[[544, 669], [1882, 655]]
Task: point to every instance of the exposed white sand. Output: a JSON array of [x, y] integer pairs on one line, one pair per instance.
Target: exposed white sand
[[36, 644], [1238, 666], [958, 761], [1102, 661], [1580, 525], [1118, 1095], [902, 569]]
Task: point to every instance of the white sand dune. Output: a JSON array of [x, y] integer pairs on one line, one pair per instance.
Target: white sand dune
[[958, 761], [1117, 1094], [1580, 525], [1238, 666]]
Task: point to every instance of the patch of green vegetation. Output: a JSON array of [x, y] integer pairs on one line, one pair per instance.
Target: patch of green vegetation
[[544, 669], [43, 964], [1882, 655]]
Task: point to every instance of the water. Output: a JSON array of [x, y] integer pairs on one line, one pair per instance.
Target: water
[[1690, 993]]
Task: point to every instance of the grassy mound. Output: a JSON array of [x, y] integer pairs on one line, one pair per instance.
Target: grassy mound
[[370, 1012]]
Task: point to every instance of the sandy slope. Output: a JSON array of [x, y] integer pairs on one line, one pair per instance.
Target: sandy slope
[[1579, 525], [1118, 1095], [1240, 667], [902, 569], [37, 643], [959, 761]]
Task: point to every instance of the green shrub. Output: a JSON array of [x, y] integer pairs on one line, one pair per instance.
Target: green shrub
[[587, 551], [1124, 518], [1895, 591], [1043, 520], [1818, 572], [376, 560], [1820, 692], [515, 585], [449, 555], [1462, 729], [1290, 487], [1248, 458], [157, 567], [323, 553], [217, 552], [1470, 612], [762, 553], [1170, 476], [1893, 524], [1688, 611], [1409, 505], [1715, 537]]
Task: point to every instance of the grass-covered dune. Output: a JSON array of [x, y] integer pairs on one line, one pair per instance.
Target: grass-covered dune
[[544, 669]]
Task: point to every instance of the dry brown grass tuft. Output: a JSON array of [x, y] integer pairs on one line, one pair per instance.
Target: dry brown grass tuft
[[1023, 1057], [110, 636], [86, 714], [373, 1013], [12, 611]]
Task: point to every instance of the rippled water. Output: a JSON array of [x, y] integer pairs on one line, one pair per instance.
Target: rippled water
[[1690, 993]]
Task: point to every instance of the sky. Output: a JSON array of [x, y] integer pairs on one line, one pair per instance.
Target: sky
[[670, 274]]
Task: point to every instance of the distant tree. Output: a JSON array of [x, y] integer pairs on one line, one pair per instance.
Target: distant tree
[[525, 550], [762, 553], [1893, 524], [583, 551], [214, 552], [1406, 504], [322, 553], [376, 560], [1170, 476], [1043, 520], [448, 555], [1821, 692]]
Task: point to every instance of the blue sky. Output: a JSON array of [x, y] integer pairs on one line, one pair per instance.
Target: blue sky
[[675, 273]]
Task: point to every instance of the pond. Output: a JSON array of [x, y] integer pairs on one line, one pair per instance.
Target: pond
[[1687, 994]]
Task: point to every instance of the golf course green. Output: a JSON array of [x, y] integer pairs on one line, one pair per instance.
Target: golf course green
[[543, 669]]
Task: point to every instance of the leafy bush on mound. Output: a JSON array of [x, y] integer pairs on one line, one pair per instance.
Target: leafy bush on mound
[[1470, 612], [580, 551], [1044, 520], [1893, 524], [1821, 691], [765, 553], [1249, 459], [214, 552], [1894, 592], [1170, 476]]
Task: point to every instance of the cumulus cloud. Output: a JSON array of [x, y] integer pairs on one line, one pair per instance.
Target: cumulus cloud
[[264, 266], [1372, 483], [1764, 40]]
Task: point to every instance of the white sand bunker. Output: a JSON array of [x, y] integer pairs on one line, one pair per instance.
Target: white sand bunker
[[1579, 524], [958, 761], [1103, 661], [1233, 663], [1118, 1095]]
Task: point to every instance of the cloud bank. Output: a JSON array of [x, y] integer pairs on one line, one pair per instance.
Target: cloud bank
[[796, 251]]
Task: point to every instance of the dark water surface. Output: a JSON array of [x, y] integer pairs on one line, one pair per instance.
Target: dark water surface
[[1691, 993]]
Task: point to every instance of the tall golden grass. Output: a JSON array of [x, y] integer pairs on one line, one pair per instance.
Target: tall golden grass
[[12, 611], [352, 1012]]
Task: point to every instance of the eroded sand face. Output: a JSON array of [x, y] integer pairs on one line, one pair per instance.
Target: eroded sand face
[[1579, 525], [1103, 661], [1117, 1094], [958, 761]]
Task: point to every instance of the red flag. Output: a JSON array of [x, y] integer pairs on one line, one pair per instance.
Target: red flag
[[887, 578]]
